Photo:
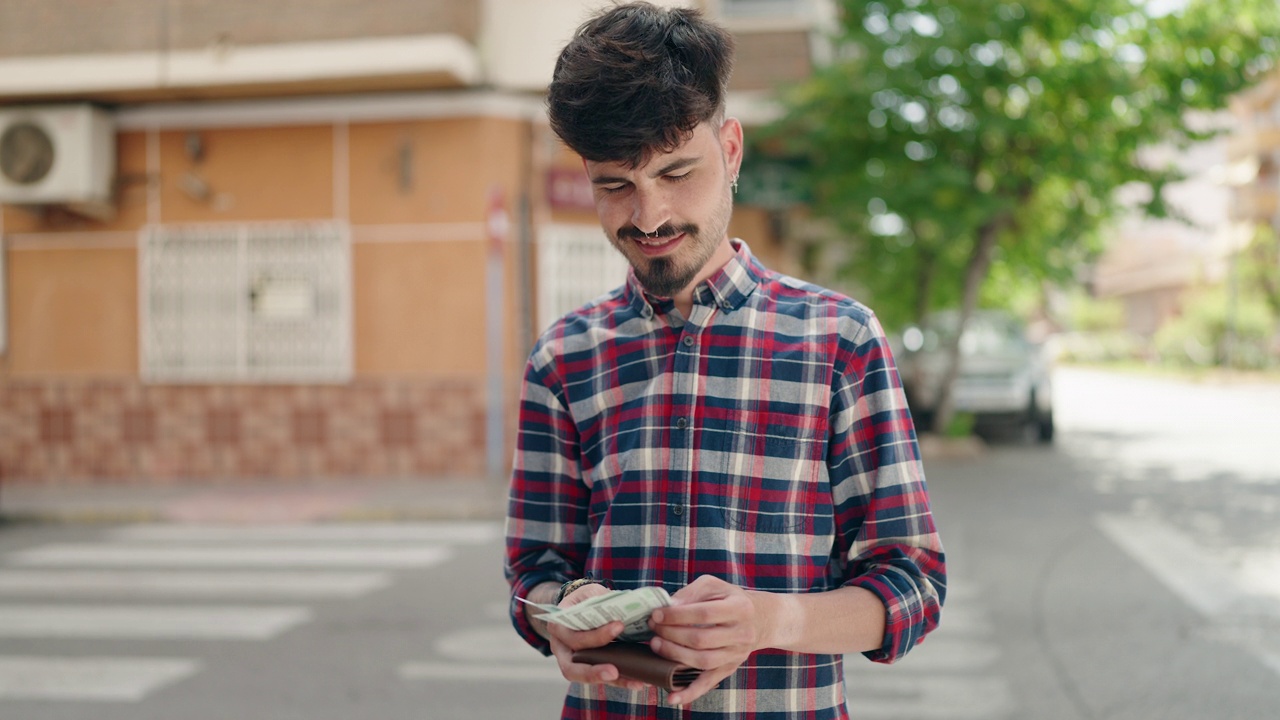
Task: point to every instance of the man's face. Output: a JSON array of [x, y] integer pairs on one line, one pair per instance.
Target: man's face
[[670, 216]]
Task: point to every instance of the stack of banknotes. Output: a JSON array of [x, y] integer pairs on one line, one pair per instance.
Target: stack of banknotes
[[631, 607]]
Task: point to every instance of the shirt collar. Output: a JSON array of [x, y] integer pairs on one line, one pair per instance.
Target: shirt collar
[[728, 288]]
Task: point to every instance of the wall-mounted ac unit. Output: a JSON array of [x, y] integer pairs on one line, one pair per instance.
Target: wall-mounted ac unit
[[56, 154]]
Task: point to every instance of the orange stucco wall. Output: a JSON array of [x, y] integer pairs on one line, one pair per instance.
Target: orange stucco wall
[[417, 196], [73, 312], [252, 174]]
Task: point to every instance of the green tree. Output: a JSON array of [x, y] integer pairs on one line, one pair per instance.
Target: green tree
[[946, 137], [1263, 267]]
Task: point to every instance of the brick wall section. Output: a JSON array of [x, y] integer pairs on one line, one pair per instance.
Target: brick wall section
[[70, 27], [121, 430]]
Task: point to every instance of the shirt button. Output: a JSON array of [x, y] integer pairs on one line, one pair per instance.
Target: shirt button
[[688, 341], [677, 509], [682, 423]]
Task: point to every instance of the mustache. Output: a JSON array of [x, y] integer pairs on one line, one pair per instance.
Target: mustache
[[633, 233]]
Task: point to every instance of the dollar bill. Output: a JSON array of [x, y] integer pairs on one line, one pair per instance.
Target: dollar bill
[[631, 607]]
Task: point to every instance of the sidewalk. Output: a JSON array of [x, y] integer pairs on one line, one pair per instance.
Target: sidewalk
[[265, 502], [292, 502]]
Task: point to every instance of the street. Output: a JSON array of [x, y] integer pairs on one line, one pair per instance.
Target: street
[[1129, 570]]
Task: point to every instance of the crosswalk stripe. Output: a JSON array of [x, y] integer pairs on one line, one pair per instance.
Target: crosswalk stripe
[[441, 532], [97, 679], [61, 583], [940, 652], [932, 698], [485, 672], [1183, 566], [149, 622], [73, 554]]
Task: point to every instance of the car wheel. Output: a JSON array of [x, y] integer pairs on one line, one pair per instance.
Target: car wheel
[[1044, 427]]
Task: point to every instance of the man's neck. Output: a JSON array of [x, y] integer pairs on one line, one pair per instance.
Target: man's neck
[[721, 257]]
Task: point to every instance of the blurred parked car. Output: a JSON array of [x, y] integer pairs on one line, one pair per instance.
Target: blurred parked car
[[1005, 380]]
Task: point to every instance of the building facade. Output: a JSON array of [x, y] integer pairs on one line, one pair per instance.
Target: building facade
[[293, 240]]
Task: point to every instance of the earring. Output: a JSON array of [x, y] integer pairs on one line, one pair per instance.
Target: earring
[[734, 184]]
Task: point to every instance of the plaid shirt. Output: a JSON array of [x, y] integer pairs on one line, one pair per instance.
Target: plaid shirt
[[765, 440]]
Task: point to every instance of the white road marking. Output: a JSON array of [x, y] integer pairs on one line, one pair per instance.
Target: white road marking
[[72, 554], [487, 644], [97, 679], [932, 698], [1271, 659], [1260, 574], [149, 622], [132, 583], [1207, 584], [1193, 574], [493, 653], [964, 619], [455, 533], [940, 652], [487, 673]]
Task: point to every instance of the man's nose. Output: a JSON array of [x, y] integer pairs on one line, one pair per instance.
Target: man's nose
[[649, 210]]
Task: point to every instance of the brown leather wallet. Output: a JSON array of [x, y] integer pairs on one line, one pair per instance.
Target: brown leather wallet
[[638, 662]]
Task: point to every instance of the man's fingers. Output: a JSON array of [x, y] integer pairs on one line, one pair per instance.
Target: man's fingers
[[705, 682], [700, 638], [605, 674], [703, 587], [708, 612], [711, 658], [724, 608], [583, 639], [590, 674]]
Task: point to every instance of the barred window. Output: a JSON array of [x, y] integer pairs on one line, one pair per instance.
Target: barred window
[[576, 264], [266, 302]]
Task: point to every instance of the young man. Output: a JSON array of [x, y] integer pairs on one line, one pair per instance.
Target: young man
[[735, 436]]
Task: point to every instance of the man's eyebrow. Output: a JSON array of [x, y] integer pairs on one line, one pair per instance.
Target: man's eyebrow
[[672, 166], [676, 165], [608, 180]]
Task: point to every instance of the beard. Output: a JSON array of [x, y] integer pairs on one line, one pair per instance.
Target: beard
[[669, 274]]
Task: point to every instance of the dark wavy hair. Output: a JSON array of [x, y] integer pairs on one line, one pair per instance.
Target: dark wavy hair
[[637, 79]]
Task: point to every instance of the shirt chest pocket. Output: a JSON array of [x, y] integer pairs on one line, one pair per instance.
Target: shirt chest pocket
[[775, 478]]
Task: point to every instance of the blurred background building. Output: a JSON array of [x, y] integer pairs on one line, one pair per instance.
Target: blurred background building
[[289, 240]]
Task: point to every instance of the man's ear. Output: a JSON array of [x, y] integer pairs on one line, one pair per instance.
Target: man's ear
[[731, 145]]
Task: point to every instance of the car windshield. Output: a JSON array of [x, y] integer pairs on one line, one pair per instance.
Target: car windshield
[[985, 334]]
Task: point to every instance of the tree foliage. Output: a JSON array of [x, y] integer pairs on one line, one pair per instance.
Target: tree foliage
[[939, 121], [948, 137]]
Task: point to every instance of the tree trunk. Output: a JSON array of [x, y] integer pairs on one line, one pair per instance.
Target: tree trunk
[[1266, 259], [924, 284], [974, 273]]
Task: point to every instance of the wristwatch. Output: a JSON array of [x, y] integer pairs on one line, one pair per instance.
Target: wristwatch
[[572, 585]]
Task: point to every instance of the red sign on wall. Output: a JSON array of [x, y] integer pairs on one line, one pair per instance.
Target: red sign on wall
[[569, 189]]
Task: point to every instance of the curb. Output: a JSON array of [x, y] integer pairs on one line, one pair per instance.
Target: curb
[[937, 447]]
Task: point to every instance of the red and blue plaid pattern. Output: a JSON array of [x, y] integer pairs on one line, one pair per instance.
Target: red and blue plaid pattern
[[765, 440]]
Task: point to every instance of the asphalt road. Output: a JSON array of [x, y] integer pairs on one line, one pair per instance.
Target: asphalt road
[[1130, 570]]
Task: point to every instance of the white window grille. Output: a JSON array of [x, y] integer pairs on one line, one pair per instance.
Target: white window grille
[[264, 302], [576, 264]]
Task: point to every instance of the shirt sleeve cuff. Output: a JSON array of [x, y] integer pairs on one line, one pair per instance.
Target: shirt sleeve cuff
[[520, 619], [904, 624]]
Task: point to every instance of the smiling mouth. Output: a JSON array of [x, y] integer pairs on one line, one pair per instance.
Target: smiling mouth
[[656, 242], [653, 247]]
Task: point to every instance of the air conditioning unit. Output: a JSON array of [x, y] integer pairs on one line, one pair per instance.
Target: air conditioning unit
[[57, 155]]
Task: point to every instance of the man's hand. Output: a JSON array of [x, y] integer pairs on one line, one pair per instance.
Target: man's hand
[[565, 641], [711, 625]]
